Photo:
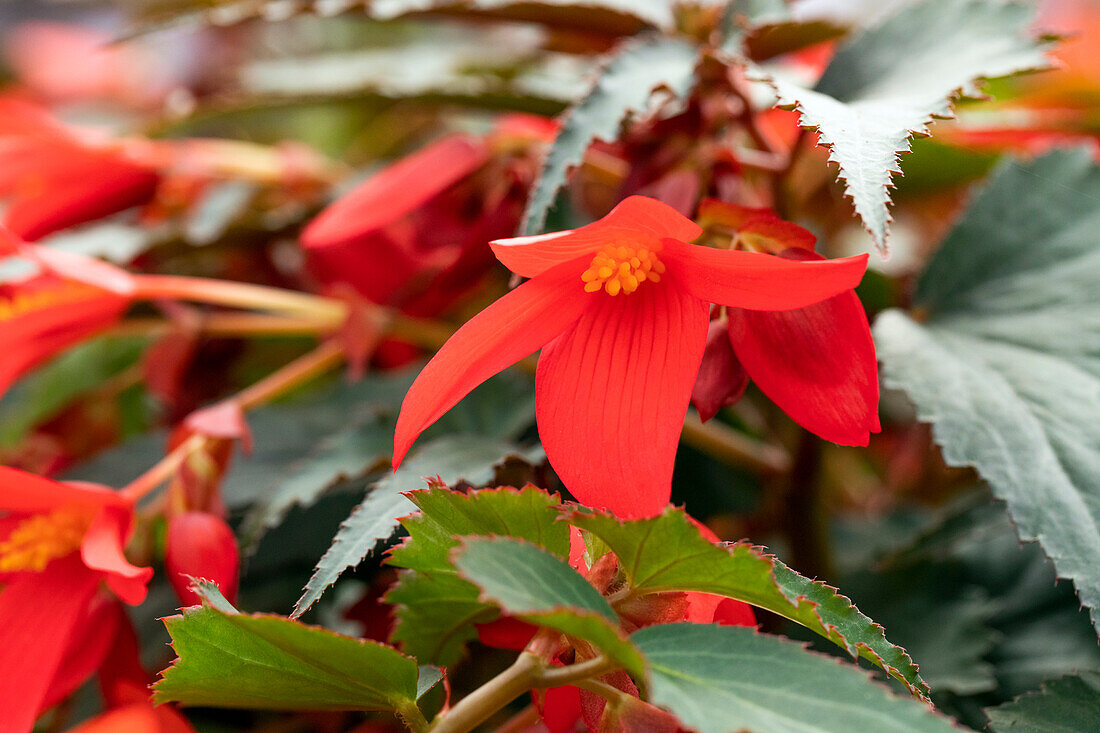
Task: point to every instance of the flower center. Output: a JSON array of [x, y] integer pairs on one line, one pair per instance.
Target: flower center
[[41, 538], [621, 269], [21, 303]]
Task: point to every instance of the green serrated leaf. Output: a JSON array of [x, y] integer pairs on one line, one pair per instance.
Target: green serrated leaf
[[631, 73], [454, 459], [436, 609], [892, 80], [1006, 361], [436, 615], [1065, 705], [668, 553], [212, 596], [267, 662], [719, 679], [541, 588]]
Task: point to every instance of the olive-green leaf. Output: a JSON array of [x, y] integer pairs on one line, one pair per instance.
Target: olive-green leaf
[[1003, 354], [436, 609], [261, 661], [721, 679], [668, 553], [529, 583]]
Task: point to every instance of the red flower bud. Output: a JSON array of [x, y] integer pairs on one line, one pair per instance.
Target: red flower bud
[[201, 545]]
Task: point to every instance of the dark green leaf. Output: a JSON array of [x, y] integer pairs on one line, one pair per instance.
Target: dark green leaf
[[718, 679], [631, 73], [453, 459], [269, 662], [668, 553], [892, 80], [1066, 705], [436, 609], [539, 587], [1006, 361]]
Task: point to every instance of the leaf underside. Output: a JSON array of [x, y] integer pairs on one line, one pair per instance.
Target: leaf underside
[[722, 678], [1006, 361], [892, 80]]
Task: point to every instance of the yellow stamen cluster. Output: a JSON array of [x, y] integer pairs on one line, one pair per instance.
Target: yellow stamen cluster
[[621, 269], [41, 538], [24, 302]]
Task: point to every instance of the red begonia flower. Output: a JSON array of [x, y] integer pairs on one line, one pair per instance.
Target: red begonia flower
[[620, 309], [721, 380], [52, 179], [60, 540], [414, 235]]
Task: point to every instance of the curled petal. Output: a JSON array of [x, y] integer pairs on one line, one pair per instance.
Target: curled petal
[[816, 363], [89, 643], [102, 550], [24, 492], [612, 392], [38, 614], [636, 219], [759, 281], [514, 327], [395, 191]]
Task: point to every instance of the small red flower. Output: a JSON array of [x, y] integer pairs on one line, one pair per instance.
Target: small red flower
[[59, 540], [413, 235], [52, 179], [620, 309]]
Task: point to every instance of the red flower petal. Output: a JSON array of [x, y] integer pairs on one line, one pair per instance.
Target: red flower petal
[[816, 363], [38, 612], [559, 708], [140, 717], [45, 314], [92, 184], [89, 642], [515, 326], [396, 190], [102, 550], [611, 394], [635, 218], [507, 632], [721, 380], [759, 281], [27, 493]]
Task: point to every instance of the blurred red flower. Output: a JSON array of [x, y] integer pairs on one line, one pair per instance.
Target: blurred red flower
[[59, 541], [413, 236], [52, 179], [616, 373]]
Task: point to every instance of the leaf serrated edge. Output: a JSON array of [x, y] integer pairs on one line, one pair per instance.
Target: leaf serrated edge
[[533, 221], [971, 90], [171, 621], [919, 688], [870, 677]]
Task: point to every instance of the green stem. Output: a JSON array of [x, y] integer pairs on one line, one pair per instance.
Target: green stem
[[410, 713], [479, 705]]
